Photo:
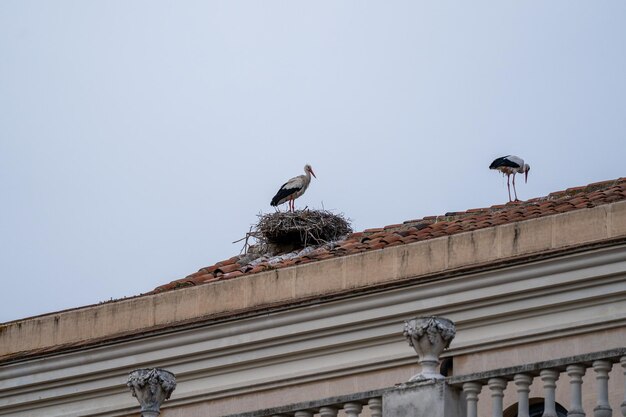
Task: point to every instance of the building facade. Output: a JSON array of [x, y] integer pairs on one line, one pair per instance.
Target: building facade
[[537, 291]]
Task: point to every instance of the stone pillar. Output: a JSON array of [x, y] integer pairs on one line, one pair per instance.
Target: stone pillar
[[575, 373], [303, 413], [549, 377], [429, 336], [328, 412], [432, 398], [602, 368], [522, 381], [623, 405], [471, 390], [497, 386], [151, 387], [352, 409], [376, 407]]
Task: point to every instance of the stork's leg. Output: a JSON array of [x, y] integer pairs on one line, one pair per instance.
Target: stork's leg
[[508, 186], [514, 190]]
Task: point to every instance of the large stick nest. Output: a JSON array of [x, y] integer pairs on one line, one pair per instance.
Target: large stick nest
[[301, 228]]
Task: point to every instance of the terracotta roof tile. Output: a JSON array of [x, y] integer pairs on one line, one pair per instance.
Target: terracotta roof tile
[[477, 210], [349, 246], [377, 245], [438, 226], [230, 261], [377, 235], [233, 274], [200, 279], [209, 269], [195, 274], [393, 226], [225, 269], [258, 268], [306, 260], [391, 238], [410, 231], [325, 256]]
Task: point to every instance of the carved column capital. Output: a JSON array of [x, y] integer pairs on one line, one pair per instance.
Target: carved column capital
[[429, 336], [151, 387]]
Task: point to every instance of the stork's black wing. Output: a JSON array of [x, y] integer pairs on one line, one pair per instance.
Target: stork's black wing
[[503, 161], [283, 192]]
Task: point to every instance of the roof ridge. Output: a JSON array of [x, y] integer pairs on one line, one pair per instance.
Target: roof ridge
[[454, 215]]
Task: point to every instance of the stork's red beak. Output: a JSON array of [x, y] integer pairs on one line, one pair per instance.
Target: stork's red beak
[[526, 177]]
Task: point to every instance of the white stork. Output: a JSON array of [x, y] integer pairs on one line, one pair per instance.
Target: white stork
[[293, 188], [508, 165]]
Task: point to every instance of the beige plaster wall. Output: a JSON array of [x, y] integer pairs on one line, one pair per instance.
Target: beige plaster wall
[[560, 347], [297, 393]]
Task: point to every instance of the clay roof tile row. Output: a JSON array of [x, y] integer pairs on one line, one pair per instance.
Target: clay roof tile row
[[416, 230]]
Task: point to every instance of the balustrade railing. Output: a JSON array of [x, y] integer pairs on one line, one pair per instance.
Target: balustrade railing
[[370, 403], [548, 373]]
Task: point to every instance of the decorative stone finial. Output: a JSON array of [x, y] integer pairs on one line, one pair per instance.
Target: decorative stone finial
[[151, 387], [429, 336]]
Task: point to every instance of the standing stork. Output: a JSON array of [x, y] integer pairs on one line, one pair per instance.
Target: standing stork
[[293, 188], [508, 165]]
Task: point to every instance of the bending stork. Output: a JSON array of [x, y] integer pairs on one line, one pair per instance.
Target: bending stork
[[293, 188], [508, 165]]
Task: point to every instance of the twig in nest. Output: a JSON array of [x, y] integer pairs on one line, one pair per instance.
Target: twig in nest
[[248, 235]]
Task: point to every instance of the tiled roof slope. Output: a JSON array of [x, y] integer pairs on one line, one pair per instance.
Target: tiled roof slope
[[410, 231]]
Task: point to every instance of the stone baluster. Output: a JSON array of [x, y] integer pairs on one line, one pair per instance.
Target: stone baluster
[[328, 412], [471, 390], [303, 413], [603, 409], [623, 405], [549, 377], [497, 386], [575, 373], [376, 407], [522, 381], [352, 409]]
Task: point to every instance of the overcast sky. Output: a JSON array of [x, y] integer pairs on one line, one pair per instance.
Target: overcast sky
[[139, 139]]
